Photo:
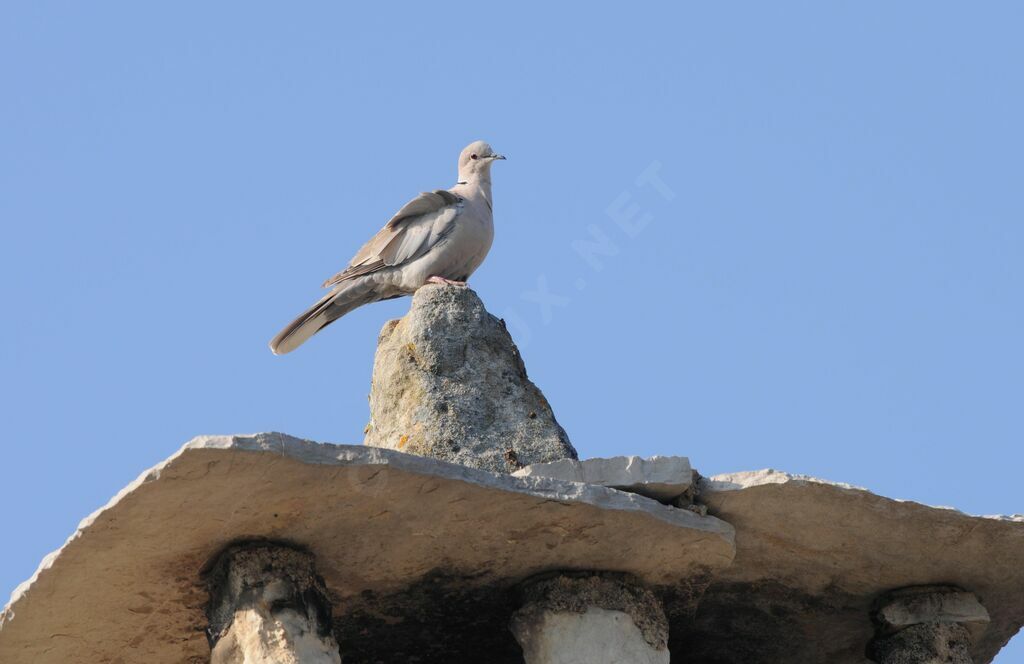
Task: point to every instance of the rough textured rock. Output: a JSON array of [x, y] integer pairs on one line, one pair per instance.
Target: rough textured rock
[[594, 636], [927, 625], [663, 478], [614, 592], [268, 606], [927, 643], [419, 557], [922, 604], [449, 383], [812, 557], [593, 618]]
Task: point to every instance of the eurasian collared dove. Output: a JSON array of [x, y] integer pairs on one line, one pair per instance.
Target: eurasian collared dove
[[440, 236]]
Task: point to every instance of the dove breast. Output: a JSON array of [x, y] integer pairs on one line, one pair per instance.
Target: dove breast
[[460, 247]]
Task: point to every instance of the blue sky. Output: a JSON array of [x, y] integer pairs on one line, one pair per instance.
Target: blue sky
[[827, 280]]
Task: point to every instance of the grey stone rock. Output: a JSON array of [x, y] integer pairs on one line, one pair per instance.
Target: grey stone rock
[[594, 636], [926, 643], [449, 383], [574, 593], [416, 554], [663, 478], [269, 606], [593, 618], [931, 604], [813, 557]]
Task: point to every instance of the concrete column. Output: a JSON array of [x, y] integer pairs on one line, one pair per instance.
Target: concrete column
[[926, 625], [597, 619], [268, 606]]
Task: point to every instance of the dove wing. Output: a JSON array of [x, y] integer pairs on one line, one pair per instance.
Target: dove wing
[[413, 231]]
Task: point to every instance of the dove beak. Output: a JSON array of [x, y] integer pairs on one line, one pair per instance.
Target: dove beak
[[498, 156]]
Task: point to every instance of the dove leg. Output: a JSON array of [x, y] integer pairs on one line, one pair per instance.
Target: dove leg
[[441, 280]]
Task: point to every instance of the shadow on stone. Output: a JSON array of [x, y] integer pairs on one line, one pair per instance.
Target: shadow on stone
[[444, 617]]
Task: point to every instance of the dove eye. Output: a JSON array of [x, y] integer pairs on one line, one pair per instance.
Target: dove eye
[[472, 156]]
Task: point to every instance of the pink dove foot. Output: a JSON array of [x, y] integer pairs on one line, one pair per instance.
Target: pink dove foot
[[441, 280]]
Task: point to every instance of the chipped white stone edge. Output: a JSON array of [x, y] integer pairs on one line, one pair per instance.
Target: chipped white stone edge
[[632, 464], [333, 454], [753, 478], [7, 615]]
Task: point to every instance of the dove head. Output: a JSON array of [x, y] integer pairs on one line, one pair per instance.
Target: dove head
[[475, 162]]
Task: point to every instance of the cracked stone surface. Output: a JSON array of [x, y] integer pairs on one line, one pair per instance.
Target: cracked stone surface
[[663, 478], [419, 557], [449, 383]]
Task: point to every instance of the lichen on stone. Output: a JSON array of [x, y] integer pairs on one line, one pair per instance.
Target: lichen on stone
[[449, 383]]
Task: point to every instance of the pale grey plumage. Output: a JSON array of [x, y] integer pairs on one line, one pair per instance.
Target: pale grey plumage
[[442, 233]]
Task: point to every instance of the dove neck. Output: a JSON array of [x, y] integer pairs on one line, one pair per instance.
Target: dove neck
[[475, 186]]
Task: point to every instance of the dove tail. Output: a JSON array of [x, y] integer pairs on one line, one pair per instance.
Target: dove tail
[[328, 309]]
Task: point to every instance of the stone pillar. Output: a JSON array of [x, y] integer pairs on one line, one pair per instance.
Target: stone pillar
[[268, 606], [597, 619], [926, 625]]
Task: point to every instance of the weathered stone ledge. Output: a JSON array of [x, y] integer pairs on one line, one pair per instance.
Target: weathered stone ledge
[[392, 535], [429, 554], [813, 557], [663, 478]]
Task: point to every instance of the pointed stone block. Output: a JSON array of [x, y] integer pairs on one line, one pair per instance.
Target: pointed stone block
[[449, 383]]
